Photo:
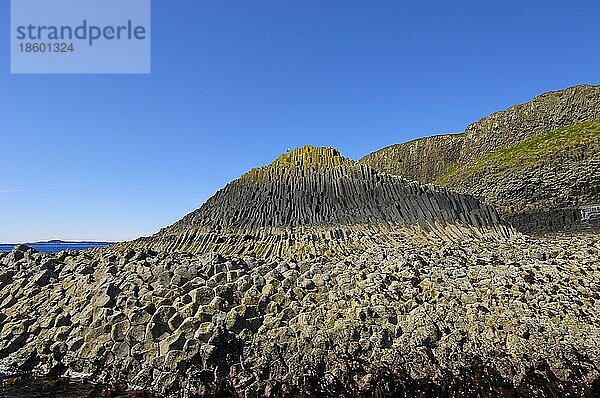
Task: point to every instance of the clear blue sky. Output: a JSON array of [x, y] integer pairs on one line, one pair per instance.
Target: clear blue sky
[[234, 83]]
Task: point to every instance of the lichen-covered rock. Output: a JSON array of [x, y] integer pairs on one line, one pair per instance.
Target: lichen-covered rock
[[518, 314]]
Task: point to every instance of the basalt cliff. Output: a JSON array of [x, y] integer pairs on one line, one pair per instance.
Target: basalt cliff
[[314, 203], [537, 163]]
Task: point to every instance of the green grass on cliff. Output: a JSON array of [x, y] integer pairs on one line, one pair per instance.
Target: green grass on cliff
[[306, 158], [529, 152]]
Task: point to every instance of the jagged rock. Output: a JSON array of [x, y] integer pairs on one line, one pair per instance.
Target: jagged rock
[[107, 296], [547, 112], [5, 278], [86, 270], [44, 278], [361, 284], [8, 301], [49, 265], [175, 342], [175, 321], [62, 320], [18, 252], [157, 331], [419, 312], [202, 295], [423, 160], [204, 332], [119, 330]]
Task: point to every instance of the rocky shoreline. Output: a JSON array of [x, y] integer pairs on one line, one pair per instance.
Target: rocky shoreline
[[28, 385], [487, 317]]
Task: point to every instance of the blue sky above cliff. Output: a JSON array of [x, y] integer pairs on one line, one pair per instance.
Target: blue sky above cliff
[[235, 83]]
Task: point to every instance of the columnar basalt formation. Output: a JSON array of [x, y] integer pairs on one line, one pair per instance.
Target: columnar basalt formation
[[422, 160], [541, 183], [541, 193], [313, 202], [546, 112]]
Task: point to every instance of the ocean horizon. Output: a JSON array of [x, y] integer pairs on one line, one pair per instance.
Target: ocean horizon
[[55, 246]]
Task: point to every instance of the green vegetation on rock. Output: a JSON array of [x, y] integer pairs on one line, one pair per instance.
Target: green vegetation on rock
[[313, 202], [536, 162], [530, 152], [307, 157], [554, 171]]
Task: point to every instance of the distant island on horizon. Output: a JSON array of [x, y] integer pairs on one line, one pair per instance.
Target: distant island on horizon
[[56, 245], [55, 241]]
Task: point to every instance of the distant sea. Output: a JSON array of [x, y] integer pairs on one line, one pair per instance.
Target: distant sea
[[55, 246]]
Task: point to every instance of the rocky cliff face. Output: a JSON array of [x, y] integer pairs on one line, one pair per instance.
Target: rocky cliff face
[[541, 182], [547, 112], [313, 202], [422, 160], [540, 193]]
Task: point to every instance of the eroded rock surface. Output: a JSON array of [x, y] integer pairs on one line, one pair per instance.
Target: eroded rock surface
[[507, 316]]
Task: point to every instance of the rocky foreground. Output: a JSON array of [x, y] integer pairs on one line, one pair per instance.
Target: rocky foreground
[[480, 318]]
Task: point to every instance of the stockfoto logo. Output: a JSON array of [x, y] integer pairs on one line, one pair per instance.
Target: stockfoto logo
[[80, 36]]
